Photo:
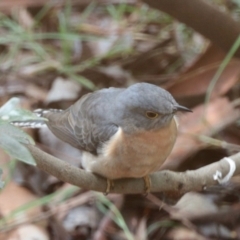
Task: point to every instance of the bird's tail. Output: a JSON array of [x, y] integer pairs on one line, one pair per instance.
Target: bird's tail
[[36, 123], [29, 123], [41, 112]]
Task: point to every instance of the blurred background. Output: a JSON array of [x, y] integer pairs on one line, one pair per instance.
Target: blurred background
[[53, 52]]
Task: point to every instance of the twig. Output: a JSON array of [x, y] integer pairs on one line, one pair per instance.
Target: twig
[[162, 181]]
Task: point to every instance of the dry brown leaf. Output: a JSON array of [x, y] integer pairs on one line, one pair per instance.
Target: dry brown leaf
[[36, 92], [194, 205], [28, 232], [63, 89], [13, 196], [24, 17], [181, 233], [196, 79]]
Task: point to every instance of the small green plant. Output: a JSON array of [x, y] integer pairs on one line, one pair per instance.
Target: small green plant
[[12, 139], [163, 225], [105, 205]]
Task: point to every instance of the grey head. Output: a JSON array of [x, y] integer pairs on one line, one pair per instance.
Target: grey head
[[144, 106]]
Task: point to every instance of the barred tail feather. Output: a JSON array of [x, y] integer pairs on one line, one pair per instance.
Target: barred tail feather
[[35, 123], [40, 112], [29, 124]]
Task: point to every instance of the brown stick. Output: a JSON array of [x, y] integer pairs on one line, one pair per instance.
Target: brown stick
[[206, 19], [161, 181]]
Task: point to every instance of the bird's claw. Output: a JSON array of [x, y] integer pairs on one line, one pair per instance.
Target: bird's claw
[[147, 182], [110, 185]]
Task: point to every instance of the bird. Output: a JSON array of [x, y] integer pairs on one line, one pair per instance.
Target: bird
[[122, 132]]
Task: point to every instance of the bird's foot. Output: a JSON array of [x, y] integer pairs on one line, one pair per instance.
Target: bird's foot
[[110, 185], [147, 182]]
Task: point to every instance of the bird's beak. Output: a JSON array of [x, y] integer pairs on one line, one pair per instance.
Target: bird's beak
[[182, 108]]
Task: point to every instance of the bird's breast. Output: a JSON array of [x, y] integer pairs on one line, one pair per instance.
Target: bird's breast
[[134, 155]]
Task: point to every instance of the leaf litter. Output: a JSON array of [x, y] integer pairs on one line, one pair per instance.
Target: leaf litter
[[52, 54]]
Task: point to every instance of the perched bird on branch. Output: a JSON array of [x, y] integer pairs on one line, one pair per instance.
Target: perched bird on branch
[[122, 132]]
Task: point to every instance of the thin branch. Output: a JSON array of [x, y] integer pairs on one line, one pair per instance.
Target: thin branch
[[204, 18], [162, 181]]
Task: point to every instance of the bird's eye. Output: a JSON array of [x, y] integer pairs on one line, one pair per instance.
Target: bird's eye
[[151, 115]]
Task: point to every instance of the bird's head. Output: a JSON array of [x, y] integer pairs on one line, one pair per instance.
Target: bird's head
[[144, 106]]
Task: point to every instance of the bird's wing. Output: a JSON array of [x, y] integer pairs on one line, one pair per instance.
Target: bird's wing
[[84, 125], [91, 137]]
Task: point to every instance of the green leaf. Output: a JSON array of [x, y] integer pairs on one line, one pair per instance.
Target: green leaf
[[9, 106], [11, 137], [16, 133], [11, 111], [16, 149]]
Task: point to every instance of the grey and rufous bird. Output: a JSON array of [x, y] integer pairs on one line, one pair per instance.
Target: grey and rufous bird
[[122, 132]]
